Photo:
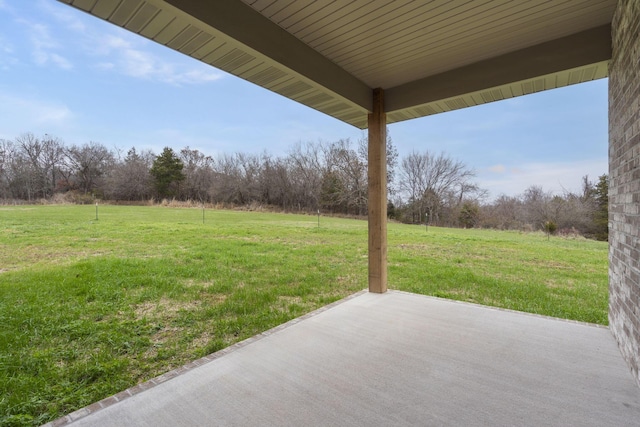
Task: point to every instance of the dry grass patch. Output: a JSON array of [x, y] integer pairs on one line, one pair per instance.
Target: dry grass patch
[[193, 283], [164, 308]]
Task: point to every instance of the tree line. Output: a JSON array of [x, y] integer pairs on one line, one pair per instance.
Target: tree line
[[330, 177]]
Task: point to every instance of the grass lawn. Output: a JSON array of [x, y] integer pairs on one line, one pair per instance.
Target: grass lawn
[[90, 307]]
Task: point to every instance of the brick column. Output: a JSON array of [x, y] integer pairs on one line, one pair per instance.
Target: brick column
[[624, 183]]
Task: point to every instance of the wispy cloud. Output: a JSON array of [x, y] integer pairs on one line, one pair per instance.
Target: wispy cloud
[[28, 114], [126, 54], [68, 41], [5, 46], [45, 58], [65, 16], [7, 58], [46, 50]]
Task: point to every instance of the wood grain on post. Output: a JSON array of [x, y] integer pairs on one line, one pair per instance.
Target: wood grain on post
[[377, 175]]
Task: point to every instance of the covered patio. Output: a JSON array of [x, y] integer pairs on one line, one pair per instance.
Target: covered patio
[[393, 359], [396, 358]]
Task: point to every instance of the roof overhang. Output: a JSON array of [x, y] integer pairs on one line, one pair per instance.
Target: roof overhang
[[429, 57]]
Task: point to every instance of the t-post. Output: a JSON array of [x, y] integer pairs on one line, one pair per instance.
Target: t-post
[[96, 211], [426, 221]]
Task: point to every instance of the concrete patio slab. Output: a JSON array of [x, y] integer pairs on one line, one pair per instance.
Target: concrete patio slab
[[394, 359]]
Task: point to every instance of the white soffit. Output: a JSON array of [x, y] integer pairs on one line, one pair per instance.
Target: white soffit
[[429, 57]]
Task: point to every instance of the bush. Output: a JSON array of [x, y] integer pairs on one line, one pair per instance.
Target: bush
[[550, 228]]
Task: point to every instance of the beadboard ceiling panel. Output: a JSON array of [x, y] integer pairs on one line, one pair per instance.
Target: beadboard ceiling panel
[[428, 56]]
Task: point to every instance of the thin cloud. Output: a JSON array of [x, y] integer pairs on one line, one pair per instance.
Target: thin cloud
[[7, 59], [45, 47], [112, 49], [5, 46], [106, 44], [126, 57], [44, 58], [497, 169], [65, 16], [116, 50], [53, 114], [137, 63], [106, 65], [25, 113], [195, 76]]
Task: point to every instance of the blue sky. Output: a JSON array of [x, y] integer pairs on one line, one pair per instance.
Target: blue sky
[[67, 74]]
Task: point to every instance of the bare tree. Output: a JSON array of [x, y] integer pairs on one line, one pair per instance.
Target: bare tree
[[502, 214], [6, 158], [237, 179], [250, 171], [198, 172], [346, 177], [413, 184], [537, 209], [87, 166], [392, 161], [130, 178], [275, 182], [306, 169], [435, 185], [40, 159], [227, 176]]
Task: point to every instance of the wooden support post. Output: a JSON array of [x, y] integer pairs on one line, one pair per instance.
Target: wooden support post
[[377, 175]]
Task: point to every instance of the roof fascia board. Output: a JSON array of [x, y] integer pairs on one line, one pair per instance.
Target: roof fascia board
[[245, 25], [584, 48]]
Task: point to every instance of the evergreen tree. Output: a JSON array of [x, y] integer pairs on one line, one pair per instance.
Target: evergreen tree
[[469, 214], [601, 217], [167, 173]]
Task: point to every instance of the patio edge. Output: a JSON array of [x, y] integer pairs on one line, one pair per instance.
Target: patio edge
[[139, 388]]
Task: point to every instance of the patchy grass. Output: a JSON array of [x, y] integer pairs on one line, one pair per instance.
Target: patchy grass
[[90, 307]]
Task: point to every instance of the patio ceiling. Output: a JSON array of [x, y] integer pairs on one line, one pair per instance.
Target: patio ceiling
[[428, 56]]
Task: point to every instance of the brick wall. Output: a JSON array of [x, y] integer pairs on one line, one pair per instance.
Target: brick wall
[[624, 184]]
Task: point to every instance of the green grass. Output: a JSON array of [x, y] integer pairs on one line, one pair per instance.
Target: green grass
[[89, 308], [564, 278]]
